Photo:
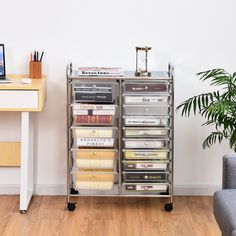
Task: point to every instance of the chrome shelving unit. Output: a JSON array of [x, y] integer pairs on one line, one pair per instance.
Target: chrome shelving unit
[[140, 163]]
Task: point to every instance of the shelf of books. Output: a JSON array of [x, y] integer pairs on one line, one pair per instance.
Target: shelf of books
[[120, 134]]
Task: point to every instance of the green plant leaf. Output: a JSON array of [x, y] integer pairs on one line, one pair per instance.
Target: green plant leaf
[[217, 107], [232, 140], [212, 138]]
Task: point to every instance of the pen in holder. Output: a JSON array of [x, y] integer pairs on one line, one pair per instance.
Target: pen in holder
[[35, 65], [35, 69]]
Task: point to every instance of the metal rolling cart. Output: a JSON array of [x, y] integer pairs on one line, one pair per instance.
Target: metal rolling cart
[[120, 135]]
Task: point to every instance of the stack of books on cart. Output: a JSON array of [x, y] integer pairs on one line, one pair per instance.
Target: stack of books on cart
[[101, 71]]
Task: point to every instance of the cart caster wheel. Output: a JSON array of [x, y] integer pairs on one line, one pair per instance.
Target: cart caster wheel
[[73, 191], [168, 207], [71, 206], [23, 211]]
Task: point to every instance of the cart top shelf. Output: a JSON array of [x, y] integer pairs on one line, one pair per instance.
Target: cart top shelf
[[155, 75]]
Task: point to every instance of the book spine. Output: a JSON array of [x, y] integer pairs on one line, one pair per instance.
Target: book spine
[[93, 90], [146, 176], [103, 119], [99, 73], [95, 142], [136, 121], [93, 112], [137, 100], [145, 187], [97, 97], [93, 107], [147, 166]]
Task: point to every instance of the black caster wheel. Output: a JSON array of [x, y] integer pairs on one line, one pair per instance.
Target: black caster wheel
[[73, 191], [23, 211], [168, 207], [71, 206]]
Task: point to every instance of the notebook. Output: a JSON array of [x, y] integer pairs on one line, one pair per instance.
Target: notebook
[[3, 78]]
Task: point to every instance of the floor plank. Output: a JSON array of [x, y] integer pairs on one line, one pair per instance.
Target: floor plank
[[94, 216]]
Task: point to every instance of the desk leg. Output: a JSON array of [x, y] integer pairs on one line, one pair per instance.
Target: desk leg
[[26, 169]]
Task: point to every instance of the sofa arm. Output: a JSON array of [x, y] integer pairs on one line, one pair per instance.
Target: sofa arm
[[229, 172]]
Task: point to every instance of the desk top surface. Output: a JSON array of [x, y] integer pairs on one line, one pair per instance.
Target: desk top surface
[[36, 84]]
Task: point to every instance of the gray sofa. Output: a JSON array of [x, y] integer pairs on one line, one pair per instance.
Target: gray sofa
[[225, 200]]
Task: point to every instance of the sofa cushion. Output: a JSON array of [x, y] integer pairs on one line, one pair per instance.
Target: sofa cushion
[[229, 172], [225, 210], [233, 233]]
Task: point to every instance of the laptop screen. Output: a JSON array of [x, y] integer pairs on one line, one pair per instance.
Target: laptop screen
[[2, 61]]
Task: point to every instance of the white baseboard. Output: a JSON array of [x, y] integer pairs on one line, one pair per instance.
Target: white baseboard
[[50, 189], [195, 190], [9, 189], [39, 189], [60, 189]]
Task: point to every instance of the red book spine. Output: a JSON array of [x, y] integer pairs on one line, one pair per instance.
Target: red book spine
[[103, 119]]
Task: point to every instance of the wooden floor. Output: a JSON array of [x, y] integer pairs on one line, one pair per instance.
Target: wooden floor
[[47, 215]]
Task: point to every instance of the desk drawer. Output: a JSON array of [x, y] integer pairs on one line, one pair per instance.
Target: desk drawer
[[135, 87], [145, 176], [93, 132], [94, 92], [145, 132], [145, 188], [145, 165], [146, 100], [96, 153], [104, 120], [95, 142], [19, 99], [145, 143], [146, 121], [95, 180], [93, 109], [131, 110], [145, 154], [94, 159]]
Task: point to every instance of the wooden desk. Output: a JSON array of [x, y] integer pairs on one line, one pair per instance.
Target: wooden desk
[[24, 98]]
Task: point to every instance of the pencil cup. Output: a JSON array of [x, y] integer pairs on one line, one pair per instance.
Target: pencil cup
[[35, 69]]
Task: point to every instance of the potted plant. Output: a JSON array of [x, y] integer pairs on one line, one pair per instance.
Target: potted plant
[[218, 107]]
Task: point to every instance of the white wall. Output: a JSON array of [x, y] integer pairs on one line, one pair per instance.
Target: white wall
[[194, 35]]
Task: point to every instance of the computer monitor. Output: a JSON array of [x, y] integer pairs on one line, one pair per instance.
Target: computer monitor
[[2, 62]]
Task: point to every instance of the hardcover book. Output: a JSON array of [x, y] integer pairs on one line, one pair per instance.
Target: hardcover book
[[86, 119], [95, 142], [93, 112], [86, 106], [95, 93], [93, 109], [100, 71], [95, 97], [93, 89]]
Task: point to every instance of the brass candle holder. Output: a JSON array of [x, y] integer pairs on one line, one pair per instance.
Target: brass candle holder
[[141, 61]]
